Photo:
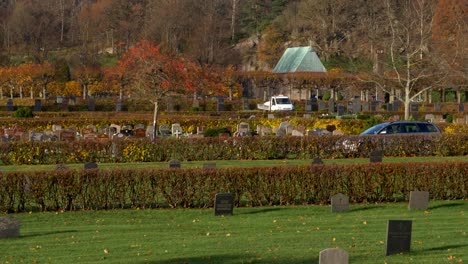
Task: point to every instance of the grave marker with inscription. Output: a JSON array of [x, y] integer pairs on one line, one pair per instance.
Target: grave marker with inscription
[[224, 204], [333, 256], [398, 236], [90, 165], [174, 164], [9, 227], [418, 200], [376, 156], [339, 203]]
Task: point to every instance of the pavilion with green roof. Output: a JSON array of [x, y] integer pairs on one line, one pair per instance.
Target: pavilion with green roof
[[299, 59]]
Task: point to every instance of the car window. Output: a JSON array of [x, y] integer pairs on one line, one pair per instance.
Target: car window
[[427, 128], [410, 128]]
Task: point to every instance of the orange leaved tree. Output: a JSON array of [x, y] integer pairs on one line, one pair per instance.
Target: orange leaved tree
[[155, 75]]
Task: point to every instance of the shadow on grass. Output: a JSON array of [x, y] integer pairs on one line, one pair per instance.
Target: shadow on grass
[[454, 204], [364, 208], [37, 234], [230, 259], [264, 210], [445, 248]]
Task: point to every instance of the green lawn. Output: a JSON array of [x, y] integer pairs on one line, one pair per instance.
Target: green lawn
[[233, 163], [293, 234]]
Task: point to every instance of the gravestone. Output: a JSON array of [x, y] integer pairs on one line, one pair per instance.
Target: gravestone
[[67, 135], [314, 105], [271, 116], [321, 105], [341, 110], [396, 106], [317, 161], [10, 106], [374, 105], [196, 103], [37, 105], [376, 156], [331, 107], [61, 166], [164, 130], [176, 129], [389, 107], [308, 105], [90, 165], [461, 108], [174, 164], [437, 107], [398, 236], [36, 136], [418, 200], [91, 105], [220, 104], [118, 105], [245, 103], [170, 104], [365, 107], [209, 165], [224, 204], [339, 203], [414, 107], [356, 105], [9, 227], [65, 105], [333, 256]]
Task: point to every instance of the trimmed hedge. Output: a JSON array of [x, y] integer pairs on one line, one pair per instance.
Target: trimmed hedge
[[237, 148], [195, 187]]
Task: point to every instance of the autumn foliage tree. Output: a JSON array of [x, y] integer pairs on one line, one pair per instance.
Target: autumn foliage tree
[[155, 75]]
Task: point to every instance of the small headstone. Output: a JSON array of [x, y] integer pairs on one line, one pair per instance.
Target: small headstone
[[9, 227], [461, 108], [414, 107], [317, 161], [91, 105], [118, 105], [398, 236], [224, 204], [339, 203], [174, 164], [90, 165], [333, 256], [61, 166], [331, 107], [308, 105], [170, 104], [341, 109], [376, 156], [176, 129], [365, 107], [37, 105], [220, 104], [245, 103], [418, 200], [271, 116], [396, 106], [209, 165], [374, 105], [437, 107], [10, 106], [321, 105], [357, 105]]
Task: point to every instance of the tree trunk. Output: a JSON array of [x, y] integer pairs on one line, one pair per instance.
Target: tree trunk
[[407, 102], [155, 121]]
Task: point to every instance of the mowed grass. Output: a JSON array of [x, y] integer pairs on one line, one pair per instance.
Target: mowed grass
[[233, 163], [293, 234]]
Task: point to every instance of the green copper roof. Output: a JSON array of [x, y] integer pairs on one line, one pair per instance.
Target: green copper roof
[[299, 59]]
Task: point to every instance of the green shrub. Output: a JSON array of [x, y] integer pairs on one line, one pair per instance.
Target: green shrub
[[214, 132], [23, 112], [79, 189]]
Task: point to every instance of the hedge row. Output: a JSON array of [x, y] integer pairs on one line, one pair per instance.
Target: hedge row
[[284, 185], [239, 148]]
